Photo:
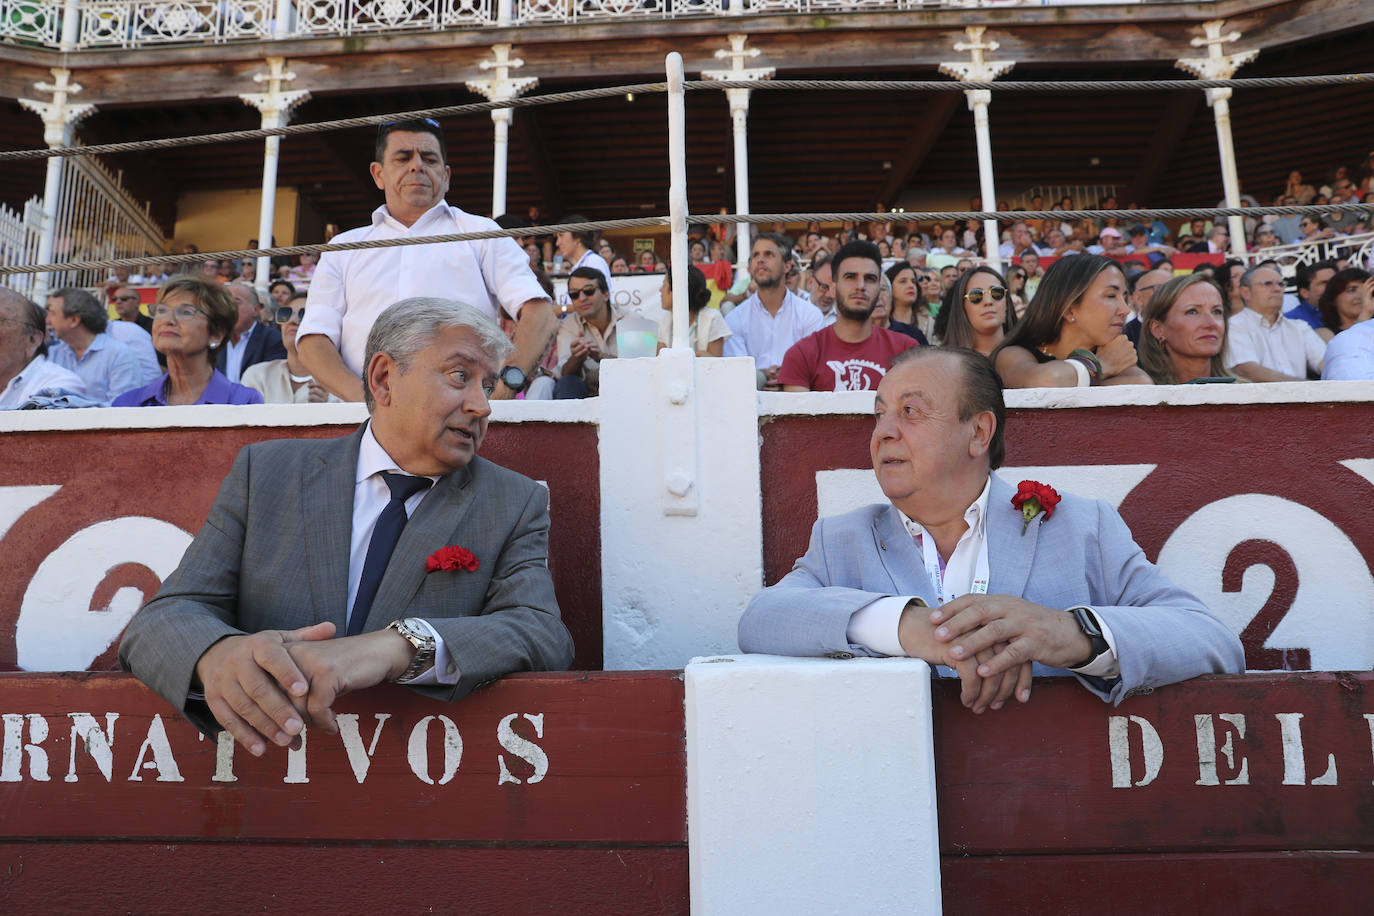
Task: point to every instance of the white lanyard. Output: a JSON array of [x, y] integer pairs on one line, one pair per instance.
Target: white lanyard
[[948, 590]]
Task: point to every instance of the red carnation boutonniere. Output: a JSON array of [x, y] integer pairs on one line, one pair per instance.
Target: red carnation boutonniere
[[1032, 498], [452, 557]]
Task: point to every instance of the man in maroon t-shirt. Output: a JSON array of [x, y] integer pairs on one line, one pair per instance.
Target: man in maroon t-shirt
[[852, 354]]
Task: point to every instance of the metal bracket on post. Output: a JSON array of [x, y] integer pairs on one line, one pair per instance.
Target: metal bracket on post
[[677, 432], [501, 87]]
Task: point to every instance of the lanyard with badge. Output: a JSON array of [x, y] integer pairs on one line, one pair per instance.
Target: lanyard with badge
[[944, 590]]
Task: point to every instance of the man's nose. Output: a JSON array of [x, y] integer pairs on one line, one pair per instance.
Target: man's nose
[[476, 403]]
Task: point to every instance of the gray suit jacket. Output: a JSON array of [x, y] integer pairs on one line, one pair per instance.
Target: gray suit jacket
[[1084, 555], [274, 552]]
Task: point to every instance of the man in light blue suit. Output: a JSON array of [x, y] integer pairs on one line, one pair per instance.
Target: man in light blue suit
[[1068, 592]]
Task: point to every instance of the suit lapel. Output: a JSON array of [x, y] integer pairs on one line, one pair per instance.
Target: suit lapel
[[901, 559], [431, 527], [327, 485], [1010, 552]]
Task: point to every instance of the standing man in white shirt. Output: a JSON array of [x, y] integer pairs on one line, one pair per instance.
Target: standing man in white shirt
[[351, 288], [770, 321], [576, 249], [1264, 345], [24, 367]]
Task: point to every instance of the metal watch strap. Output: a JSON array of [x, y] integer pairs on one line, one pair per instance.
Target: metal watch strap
[[1087, 622], [424, 648]]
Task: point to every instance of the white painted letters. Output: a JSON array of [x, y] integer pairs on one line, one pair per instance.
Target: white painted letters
[[1207, 749], [295, 762], [162, 761], [99, 743], [527, 751], [417, 749], [358, 758], [1119, 744], [1294, 762], [12, 755]]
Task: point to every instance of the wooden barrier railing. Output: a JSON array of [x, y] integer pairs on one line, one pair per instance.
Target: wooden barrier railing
[[567, 793]]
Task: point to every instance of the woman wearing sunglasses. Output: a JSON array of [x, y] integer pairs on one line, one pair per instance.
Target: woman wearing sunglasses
[[975, 313], [287, 381], [192, 319], [1071, 334]]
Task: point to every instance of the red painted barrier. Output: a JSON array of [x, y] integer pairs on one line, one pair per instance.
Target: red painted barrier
[[172, 476], [566, 793]]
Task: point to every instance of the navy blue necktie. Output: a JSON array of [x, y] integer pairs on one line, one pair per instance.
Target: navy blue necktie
[[384, 537]]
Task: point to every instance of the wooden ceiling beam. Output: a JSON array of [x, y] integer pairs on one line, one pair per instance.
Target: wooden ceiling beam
[[926, 130]]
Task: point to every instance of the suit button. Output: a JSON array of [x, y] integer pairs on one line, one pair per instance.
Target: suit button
[[840, 654]]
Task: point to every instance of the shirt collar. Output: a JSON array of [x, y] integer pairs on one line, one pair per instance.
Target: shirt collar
[[383, 215], [975, 515], [373, 459]]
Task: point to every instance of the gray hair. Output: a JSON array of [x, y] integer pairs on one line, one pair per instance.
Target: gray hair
[[239, 284], [409, 326], [80, 303]]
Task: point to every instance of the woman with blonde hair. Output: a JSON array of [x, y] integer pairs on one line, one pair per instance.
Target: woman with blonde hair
[[1183, 332]]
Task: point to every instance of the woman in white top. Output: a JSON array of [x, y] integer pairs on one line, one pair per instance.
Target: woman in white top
[[287, 381], [707, 330]]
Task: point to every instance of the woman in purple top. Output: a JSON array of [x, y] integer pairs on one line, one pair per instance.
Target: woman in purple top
[[192, 319]]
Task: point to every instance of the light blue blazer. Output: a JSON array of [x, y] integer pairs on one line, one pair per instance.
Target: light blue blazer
[[1083, 555]]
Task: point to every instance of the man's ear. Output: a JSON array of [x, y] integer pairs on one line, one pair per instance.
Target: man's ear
[[984, 425], [376, 170], [378, 378]]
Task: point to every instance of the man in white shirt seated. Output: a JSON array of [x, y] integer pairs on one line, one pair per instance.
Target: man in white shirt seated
[[351, 288], [1264, 345], [25, 371], [770, 321], [1350, 355]]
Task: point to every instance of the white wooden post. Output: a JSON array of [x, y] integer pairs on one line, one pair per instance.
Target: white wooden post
[[501, 88], [275, 105], [738, 100]]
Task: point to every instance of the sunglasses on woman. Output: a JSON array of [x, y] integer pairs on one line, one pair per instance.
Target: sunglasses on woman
[[975, 296], [285, 313]]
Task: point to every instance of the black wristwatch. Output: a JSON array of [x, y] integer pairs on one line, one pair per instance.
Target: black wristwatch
[[1091, 629], [513, 377]]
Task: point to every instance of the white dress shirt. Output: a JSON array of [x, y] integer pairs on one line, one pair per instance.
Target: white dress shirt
[[875, 625], [141, 342], [1286, 345], [351, 288], [40, 375], [767, 337], [233, 356], [1350, 355], [370, 497], [592, 259]]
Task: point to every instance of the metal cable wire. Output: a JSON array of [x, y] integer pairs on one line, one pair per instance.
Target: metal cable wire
[[236, 136], [1172, 213]]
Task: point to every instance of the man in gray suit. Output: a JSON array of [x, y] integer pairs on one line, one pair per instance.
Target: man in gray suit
[[1065, 593], [432, 560]]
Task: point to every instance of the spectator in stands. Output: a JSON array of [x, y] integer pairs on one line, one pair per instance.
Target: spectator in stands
[[586, 335], [301, 275], [1286, 227], [1347, 300], [706, 327], [949, 243], [696, 251], [1072, 332], [765, 325], [351, 288], [1030, 263], [1143, 286], [1227, 277], [282, 292], [1343, 191], [191, 321], [286, 381], [1265, 346], [619, 265], [975, 313], [948, 274], [1184, 335], [1311, 283], [1313, 228], [1265, 237], [248, 270], [127, 304], [1019, 243], [26, 373], [1016, 292], [1139, 243], [1350, 357], [907, 310], [851, 354], [1301, 193], [646, 261], [822, 286], [250, 342], [1108, 242], [79, 321], [578, 248], [792, 280]]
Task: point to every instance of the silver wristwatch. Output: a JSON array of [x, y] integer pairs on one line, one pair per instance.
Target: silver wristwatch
[[419, 637]]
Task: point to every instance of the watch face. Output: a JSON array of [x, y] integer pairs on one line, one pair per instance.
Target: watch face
[[514, 377]]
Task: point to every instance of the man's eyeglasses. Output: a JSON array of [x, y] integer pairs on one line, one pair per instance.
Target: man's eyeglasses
[[129, 298], [181, 312], [285, 313], [587, 291], [998, 293]]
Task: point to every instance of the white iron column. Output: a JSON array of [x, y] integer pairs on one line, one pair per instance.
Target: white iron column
[[59, 128], [275, 105], [1219, 66], [981, 70], [738, 100], [501, 88]]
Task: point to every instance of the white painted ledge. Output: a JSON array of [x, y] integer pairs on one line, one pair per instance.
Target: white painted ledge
[[810, 786], [224, 416]]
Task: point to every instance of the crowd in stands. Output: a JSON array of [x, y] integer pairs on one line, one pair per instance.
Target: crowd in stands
[[1067, 303]]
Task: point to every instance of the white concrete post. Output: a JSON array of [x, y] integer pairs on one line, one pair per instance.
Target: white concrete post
[[275, 105], [71, 25], [504, 12], [59, 129], [281, 24], [981, 70], [811, 786], [738, 100], [501, 88], [1219, 66], [677, 199]]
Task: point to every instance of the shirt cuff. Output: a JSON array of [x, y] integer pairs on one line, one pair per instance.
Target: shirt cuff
[[1106, 665], [875, 625], [444, 670]]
